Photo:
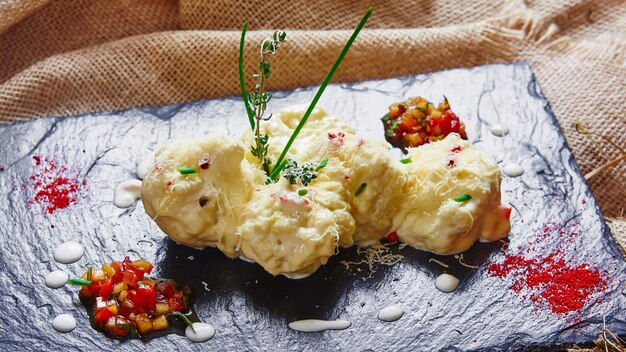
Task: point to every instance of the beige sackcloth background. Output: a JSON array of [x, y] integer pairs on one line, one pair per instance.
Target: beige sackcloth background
[[66, 57]]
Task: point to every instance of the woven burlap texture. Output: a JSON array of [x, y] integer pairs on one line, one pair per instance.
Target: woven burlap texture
[[62, 57]]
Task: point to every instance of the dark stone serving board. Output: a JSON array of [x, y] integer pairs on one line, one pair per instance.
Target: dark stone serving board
[[251, 309]]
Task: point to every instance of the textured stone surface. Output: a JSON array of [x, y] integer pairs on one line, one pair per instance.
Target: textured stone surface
[[251, 309]]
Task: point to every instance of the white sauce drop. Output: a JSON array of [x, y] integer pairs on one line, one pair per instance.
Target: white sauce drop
[[203, 332], [144, 166], [315, 325], [68, 252], [56, 279], [391, 313], [64, 323], [499, 130], [127, 193], [446, 283], [512, 170]]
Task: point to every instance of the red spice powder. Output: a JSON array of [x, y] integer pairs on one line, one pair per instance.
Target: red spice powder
[[52, 186], [564, 288]]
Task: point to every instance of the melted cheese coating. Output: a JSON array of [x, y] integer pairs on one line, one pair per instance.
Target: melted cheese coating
[[228, 205]]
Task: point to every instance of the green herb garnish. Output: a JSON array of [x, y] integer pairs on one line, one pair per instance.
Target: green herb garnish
[[321, 89], [360, 189], [187, 170], [256, 101], [392, 128], [89, 270], [321, 164], [422, 109], [80, 282], [302, 192], [305, 172], [385, 117], [406, 160], [462, 197], [184, 318]]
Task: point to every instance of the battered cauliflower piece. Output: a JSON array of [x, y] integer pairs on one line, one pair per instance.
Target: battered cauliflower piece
[[201, 209], [287, 233], [229, 206], [429, 218]]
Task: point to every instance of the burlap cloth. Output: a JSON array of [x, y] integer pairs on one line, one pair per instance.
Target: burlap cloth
[[61, 57]]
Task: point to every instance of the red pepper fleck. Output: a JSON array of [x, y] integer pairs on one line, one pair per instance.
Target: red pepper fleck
[[331, 135], [53, 188], [451, 162], [563, 287], [507, 213], [392, 237], [204, 165], [169, 183], [456, 148], [584, 201]]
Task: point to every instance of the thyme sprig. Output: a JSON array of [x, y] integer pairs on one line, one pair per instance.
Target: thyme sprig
[[305, 172], [256, 101]]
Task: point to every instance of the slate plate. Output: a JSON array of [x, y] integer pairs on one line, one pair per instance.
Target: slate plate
[[249, 308]]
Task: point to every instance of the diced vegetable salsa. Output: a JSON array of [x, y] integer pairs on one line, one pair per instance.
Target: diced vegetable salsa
[[125, 301], [417, 121]]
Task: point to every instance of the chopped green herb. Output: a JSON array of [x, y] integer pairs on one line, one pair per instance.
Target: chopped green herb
[[422, 110], [79, 282], [406, 160], [184, 318], [302, 192], [187, 170], [321, 165], [305, 172], [360, 189], [392, 128], [462, 198], [385, 117]]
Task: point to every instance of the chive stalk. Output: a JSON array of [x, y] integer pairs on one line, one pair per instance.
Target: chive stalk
[[242, 80], [184, 318], [321, 89], [406, 160], [321, 165], [187, 170], [360, 189], [80, 282], [303, 192], [462, 198]]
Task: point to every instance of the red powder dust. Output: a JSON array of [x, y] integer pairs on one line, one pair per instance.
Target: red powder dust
[[52, 186]]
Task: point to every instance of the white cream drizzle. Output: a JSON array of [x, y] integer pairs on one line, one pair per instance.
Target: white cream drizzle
[[144, 165], [512, 170], [315, 325], [499, 130], [56, 279], [127, 193], [68, 252], [391, 313], [64, 323], [446, 283], [201, 332]]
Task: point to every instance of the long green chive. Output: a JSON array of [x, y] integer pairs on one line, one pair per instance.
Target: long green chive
[[406, 160], [184, 318], [242, 80], [360, 189], [462, 197], [89, 270], [302, 192], [79, 282], [321, 165], [187, 170], [321, 89]]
